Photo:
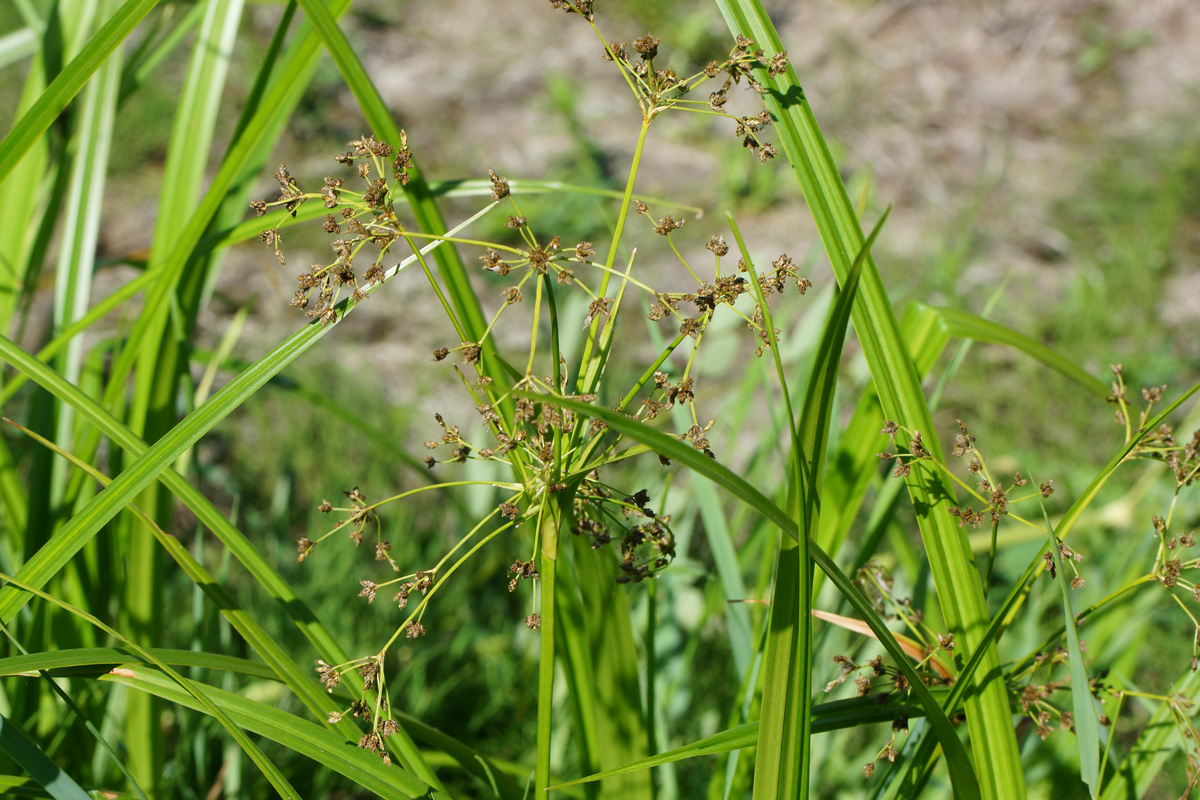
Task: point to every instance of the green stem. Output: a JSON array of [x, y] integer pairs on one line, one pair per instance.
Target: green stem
[[588, 378], [548, 533]]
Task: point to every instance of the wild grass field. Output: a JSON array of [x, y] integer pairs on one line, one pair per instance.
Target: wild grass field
[[647, 400]]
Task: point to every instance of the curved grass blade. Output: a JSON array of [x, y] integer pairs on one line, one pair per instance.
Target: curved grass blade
[[97, 661], [284, 668], [969, 326], [268, 768], [69, 82], [159, 457], [826, 717], [964, 780], [297, 679], [40, 767], [92, 662], [99, 737], [318, 743]]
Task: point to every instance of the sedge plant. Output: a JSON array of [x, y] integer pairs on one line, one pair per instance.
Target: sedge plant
[[581, 440]]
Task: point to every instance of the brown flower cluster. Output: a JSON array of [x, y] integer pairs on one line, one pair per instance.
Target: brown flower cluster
[[366, 217], [380, 725], [660, 89], [359, 514]]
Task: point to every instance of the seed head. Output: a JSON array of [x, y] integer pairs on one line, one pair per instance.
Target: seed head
[[646, 47], [500, 188]]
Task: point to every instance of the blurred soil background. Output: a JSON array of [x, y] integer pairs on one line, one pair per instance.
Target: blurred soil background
[[1045, 152]]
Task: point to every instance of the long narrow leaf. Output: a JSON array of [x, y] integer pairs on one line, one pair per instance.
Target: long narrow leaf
[[826, 717], [1087, 728], [960, 591], [782, 765], [322, 745], [40, 767], [95, 661], [68, 83], [969, 326], [268, 768]]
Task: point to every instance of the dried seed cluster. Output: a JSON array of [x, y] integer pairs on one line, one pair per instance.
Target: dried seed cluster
[[366, 217]]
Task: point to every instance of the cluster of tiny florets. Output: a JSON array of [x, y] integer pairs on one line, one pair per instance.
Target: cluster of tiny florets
[[376, 717], [661, 89], [365, 217], [358, 515]]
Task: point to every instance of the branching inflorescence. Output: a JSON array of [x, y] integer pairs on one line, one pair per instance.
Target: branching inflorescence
[[555, 460]]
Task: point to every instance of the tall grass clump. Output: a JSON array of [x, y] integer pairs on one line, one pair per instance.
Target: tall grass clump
[[609, 555]]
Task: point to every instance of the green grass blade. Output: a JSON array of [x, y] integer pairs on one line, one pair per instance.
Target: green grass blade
[[782, 761], [17, 45], [69, 82], [161, 359], [969, 326], [95, 661], [737, 738], [104, 506], [300, 681], [293, 606], [195, 118], [40, 767], [1087, 727], [35, 177], [597, 657], [148, 57], [838, 715], [60, 342], [268, 768], [965, 784], [854, 465], [960, 592], [781, 765], [320, 744]]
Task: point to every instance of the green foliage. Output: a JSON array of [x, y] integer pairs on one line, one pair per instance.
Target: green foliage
[[627, 543]]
